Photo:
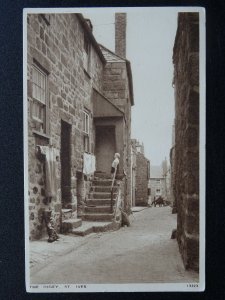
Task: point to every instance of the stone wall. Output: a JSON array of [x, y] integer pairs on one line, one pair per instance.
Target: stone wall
[[142, 178], [186, 162], [116, 89], [57, 46]]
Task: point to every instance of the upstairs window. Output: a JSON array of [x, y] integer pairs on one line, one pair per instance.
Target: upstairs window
[[86, 124], [39, 95], [87, 49]]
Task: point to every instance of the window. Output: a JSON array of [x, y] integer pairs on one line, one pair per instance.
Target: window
[[157, 191], [86, 131], [86, 54], [39, 94]]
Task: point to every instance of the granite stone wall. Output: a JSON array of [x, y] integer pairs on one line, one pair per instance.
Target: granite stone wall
[[142, 178], [116, 89], [55, 43], [186, 156]]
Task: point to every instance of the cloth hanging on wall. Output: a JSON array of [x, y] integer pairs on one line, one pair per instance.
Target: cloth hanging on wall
[[50, 169], [88, 164]]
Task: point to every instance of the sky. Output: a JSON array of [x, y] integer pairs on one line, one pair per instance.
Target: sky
[[150, 39]]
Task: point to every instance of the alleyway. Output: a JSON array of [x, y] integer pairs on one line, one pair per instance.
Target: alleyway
[[142, 253]]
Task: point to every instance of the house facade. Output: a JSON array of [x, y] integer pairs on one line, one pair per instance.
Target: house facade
[[185, 155], [141, 175], [78, 115], [157, 183]]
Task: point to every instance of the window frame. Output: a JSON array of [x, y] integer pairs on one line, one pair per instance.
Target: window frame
[[86, 130], [44, 129], [87, 53]]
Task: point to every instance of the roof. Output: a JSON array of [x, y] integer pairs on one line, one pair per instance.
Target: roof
[[156, 172], [112, 57], [103, 107], [89, 33]]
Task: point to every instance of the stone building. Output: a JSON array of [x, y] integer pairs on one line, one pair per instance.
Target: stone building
[[158, 183], [79, 113], [118, 88], [186, 156], [141, 175]]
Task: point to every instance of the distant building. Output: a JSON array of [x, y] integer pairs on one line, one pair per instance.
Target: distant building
[[141, 175], [157, 182]]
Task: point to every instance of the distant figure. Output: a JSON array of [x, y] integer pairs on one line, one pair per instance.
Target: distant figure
[[115, 164], [159, 201]]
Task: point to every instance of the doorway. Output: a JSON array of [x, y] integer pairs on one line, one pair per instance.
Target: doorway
[[65, 163], [105, 148]]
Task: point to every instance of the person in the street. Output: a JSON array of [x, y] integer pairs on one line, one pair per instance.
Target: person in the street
[[115, 164]]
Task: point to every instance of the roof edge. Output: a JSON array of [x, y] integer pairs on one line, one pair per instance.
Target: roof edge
[[91, 36], [122, 58], [108, 100], [129, 72]]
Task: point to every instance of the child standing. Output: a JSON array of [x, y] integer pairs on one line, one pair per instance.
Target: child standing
[[115, 164]]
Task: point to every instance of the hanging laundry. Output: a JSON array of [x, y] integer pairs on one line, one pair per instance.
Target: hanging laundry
[[88, 164], [50, 169]]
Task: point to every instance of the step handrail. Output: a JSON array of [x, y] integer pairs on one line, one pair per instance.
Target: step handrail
[[113, 180]]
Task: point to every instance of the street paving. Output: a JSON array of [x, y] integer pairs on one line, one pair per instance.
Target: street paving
[[141, 253]]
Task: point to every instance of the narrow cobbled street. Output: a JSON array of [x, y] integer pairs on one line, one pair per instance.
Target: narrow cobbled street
[[141, 253]]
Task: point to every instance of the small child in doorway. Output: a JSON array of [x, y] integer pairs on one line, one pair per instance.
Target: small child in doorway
[[115, 164]]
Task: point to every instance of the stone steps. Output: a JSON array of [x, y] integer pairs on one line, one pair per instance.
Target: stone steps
[[103, 189], [100, 209], [102, 175], [90, 227], [102, 195], [106, 182], [99, 202], [69, 224], [99, 217]]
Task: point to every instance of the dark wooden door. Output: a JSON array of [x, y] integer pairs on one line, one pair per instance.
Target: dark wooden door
[[65, 163]]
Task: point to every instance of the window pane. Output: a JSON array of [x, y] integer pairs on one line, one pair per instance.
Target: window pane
[[43, 96], [39, 85], [40, 113], [34, 108], [83, 121], [39, 98], [38, 93], [33, 91]]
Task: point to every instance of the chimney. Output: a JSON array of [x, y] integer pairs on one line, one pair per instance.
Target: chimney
[[120, 34]]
